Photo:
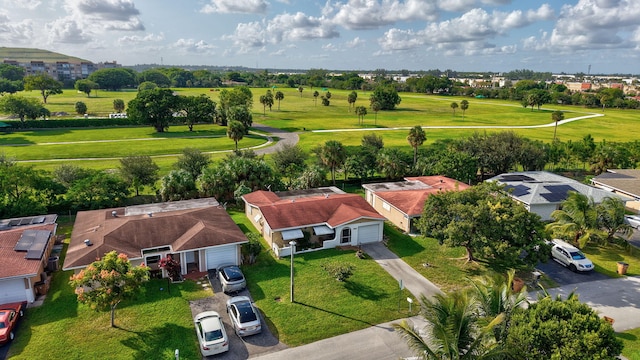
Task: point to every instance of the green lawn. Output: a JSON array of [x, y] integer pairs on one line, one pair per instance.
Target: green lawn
[[606, 258], [324, 307], [631, 340]]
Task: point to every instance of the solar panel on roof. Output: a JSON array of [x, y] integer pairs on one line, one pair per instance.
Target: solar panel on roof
[[34, 242], [26, 240], [14, 222], [515, 177], [38, 220], [518, 190], [557, 193], [25, 221]]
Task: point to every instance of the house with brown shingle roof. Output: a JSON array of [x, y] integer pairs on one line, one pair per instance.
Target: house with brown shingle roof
[[316, 219], [25, 247], [624, 182], [402, 202], [199, 234]]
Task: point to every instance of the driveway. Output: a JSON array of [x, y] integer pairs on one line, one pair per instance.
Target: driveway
[[564, 276], [239, 348]]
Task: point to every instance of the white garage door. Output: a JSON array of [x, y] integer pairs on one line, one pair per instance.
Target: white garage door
[[12, 291], [221, 255], [368, 233]]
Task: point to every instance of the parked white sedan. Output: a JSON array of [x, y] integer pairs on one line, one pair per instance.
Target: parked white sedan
[[211, 334], [633, 221], [244, 317]]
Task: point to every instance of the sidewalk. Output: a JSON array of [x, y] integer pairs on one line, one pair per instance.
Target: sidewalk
[[399, 270]]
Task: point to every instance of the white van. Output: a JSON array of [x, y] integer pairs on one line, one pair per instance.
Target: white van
[[570, 256]]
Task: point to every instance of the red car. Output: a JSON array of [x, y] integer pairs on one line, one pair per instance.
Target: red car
[[9, 315]]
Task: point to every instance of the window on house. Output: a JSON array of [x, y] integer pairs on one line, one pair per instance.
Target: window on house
[[346, 236]]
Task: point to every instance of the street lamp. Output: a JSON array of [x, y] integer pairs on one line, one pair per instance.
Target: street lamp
[[292, 245]]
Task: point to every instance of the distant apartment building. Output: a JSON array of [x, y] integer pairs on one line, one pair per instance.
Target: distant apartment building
[[62, 70]]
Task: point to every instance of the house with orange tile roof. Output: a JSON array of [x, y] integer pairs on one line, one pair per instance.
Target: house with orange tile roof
[[198, 233], [402, 201], [25, 248], [316, 219]]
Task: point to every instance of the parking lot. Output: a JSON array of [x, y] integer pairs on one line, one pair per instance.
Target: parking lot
[[239, 348]]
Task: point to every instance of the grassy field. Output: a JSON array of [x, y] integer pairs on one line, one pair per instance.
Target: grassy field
[[631, 340]]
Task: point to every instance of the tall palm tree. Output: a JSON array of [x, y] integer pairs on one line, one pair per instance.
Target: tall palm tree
[[556, 116], [577, 220], [611, 218], [453, 329], [416, 138], [235, 131], [464, 105], [454, 106], [279, 96], [332, 155]]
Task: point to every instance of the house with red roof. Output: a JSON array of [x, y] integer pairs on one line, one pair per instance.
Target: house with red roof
[[25, 247], [199, 234], [315, 219], [402, 201]]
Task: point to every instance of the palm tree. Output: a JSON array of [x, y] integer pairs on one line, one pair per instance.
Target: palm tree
[[464, 105], [361, 111], [611, 218], [235, 131], [351, 98], [332, 155], [556, 116], [300, 88], [453, 329], [279, 96], [495, 296], [375, 106], [315, 97], [577, 220], [454, 106], [416, 138]]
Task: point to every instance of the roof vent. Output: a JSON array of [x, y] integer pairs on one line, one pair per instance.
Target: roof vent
[[441, 180], [150, 214], [87, 242], [293, 200], [114, 213], [326, 196]]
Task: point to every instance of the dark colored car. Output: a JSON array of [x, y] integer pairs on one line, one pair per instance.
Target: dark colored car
[[9, 315], [231, 278]]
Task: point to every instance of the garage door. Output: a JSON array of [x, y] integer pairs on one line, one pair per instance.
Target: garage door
[[368, 233], [12, 291], [221, 255]]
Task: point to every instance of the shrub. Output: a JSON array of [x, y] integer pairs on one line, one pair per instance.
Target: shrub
[[340, 271]]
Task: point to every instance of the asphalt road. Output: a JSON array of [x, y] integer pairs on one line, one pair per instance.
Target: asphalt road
[[564, 276], [239, 348]]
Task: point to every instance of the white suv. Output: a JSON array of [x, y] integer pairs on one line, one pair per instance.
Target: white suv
[[570, 256]]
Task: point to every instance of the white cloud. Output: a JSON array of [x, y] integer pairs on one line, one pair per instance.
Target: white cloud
[[329, 47], [67, 31], [372, 14], [136, 39], [356, 42], [105, 14], [12, 32], [193, 46], [21, 4], [235, 6], [595, 24], [456, 5]]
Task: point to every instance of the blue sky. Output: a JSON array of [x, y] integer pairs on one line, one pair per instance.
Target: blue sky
[[463, 35]]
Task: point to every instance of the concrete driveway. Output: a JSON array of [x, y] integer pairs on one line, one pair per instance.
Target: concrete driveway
[[239, 348], [564, 276]]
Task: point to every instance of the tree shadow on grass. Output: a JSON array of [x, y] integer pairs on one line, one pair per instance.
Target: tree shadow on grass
[[161, 342], [335, 313], [364, 291]]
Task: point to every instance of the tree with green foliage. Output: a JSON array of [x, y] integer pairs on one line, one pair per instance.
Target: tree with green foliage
[[192, 161], [279, 97], [81, 108], [576, 220], [266, 101], [556, 116], [488, 223], [236, 97], [341, 271], [361, 111], [351, 99], [454, 106], [26, 191], [312, 177], [138, 171], [325, 101], [235, 131], [290, 161], [86, 86], [387, 96], [315, 97], [9, 86], [453, 330], [416, 138], [611, 212], [393, 163], [197, 109], [113, 79], [11, 72], [178, 185], [154, 107], [560, 329], [44, 83], [241, 114], [107, 282], [147, 85], [300, 89], [68, 174], [251, 249], [222, 180], [21, 106], [155, 76], [375, 107], [464, 105], [118, 105], [332, 156], [97, 191]]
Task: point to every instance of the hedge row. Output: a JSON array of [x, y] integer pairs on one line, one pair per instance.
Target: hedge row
[[71, 123]]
